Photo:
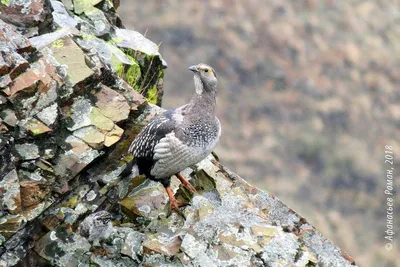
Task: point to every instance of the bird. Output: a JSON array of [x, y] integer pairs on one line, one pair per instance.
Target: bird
[[179, 138]]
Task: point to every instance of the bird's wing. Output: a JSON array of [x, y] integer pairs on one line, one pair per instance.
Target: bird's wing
[[172, 155], [169, 147], [157, 128]]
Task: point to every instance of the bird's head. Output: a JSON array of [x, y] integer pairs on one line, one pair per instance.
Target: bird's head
[[205, 78]]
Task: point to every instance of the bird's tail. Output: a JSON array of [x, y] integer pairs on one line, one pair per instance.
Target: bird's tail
[[131, 168]]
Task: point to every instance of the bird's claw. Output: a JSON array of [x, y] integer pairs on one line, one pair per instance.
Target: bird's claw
[[175, 205]]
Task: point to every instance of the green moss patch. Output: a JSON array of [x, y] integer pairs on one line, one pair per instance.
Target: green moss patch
[[130, 73], [152, 95]]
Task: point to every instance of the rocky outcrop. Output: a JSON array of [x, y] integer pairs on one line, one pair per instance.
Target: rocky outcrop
[[75, 89], [312, 94]]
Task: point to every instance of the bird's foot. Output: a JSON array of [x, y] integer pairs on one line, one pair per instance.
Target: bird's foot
[[174, 204], [186, 183]]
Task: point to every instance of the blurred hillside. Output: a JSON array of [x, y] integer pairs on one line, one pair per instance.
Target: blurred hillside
[[309, 95]]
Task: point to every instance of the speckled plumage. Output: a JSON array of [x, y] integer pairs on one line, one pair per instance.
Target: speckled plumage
[[181, 137]]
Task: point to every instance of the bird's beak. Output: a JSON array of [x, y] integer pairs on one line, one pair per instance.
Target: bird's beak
[[193, 68]]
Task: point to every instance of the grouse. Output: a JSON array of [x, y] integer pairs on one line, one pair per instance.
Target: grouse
[[181, 137]]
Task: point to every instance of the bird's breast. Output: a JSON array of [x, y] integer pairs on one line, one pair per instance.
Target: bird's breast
[[202, 133]]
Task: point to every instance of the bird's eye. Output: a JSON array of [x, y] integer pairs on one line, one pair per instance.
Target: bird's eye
[[206, 70]]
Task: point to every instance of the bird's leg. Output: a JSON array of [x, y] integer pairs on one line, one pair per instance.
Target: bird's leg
[[185, 183], [173, 203]]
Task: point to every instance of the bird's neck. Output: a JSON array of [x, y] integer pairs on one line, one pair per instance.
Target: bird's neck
[[205, 102]]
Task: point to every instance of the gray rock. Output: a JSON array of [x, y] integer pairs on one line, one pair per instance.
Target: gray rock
[[136, 41], [97, 226], [80, 114], [10, 198], [9, 117], [5, 80], [192, 247], [48, 115], [133, 243], [61, 17], [44, 40], [27, 151]]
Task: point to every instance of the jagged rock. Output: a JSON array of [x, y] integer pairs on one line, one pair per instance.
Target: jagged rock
[[146, 52], [5, 65], [48, 115], [26, 81], [133, 243], [11, 198], [79, 111], [162, 244], [60, 247], [41, 41], [35, 88], [147, 202], [23, 13], [76, 118], [67, 53], [137, 42], [97, 226], [72, 161], [91, 136], [97, 119], [125, 65], [5, 80], [35, 127], [60, 15], [33, 192], [81, 6], [112, 104], [3, 127], [17, 65], [101, 26], [10, 224], [113, 136], [191, 247], [13, 40], [27, 151], [9, 117]]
